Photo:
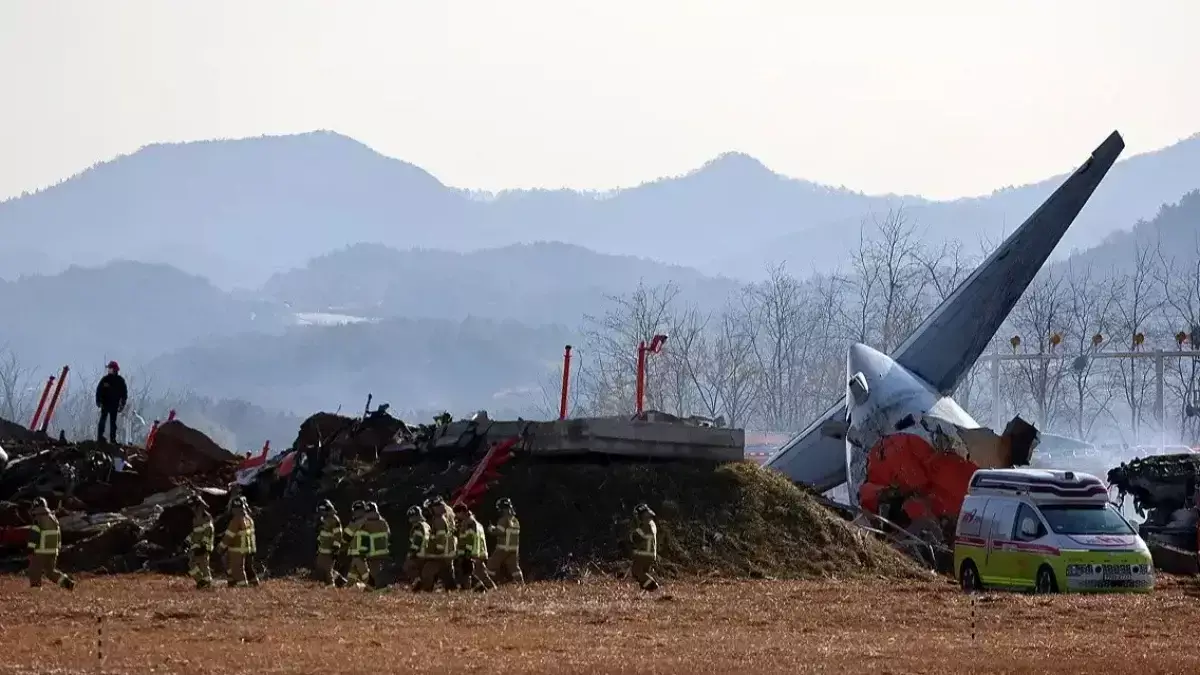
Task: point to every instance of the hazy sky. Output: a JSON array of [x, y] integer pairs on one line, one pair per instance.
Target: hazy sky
[[931, 97]]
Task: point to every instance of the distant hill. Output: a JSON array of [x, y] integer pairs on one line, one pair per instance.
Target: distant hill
[[126, 311], [1174, 230], [545, 282], [413, 364], [238, 211], [1134, 190]]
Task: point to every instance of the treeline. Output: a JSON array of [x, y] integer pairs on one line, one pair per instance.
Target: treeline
[[774, 357]]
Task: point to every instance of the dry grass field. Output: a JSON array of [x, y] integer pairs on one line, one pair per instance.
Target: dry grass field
[[157, 624]]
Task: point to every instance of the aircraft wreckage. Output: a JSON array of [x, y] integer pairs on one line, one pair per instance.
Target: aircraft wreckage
[[904, 448]]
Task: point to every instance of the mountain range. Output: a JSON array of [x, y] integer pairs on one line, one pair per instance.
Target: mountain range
[[203, 263], [239, 211]]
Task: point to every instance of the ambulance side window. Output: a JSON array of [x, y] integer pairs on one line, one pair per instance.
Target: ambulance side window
[[1028, 526], [1004, 518]]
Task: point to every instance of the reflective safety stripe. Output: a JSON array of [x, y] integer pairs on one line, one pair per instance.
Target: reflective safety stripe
[[645, 541], [473, 542], [328, 540], [508, 537], [48, 540], [418, 540], [377, 544], [241, 540], [202, 536], [442, 544], [251, 540]]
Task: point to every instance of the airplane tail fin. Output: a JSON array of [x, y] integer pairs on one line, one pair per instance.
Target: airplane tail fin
[[949, 342]]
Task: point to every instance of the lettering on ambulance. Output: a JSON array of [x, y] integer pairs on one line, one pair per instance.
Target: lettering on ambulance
[[970, 525]]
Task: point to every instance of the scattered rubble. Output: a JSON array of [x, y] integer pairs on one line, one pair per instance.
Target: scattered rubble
[[1164, 491], [120, 507], [729, 519]]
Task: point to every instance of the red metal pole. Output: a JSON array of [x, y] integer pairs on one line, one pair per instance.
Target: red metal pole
[[154, 430], [641, 374], [562, 405], [37, 414], [54, 399], [150, 436]]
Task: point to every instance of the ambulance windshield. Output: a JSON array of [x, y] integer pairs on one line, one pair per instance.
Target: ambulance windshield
[[1075, 519]]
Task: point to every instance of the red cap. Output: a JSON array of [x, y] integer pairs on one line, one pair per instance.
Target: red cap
[[113, 365]]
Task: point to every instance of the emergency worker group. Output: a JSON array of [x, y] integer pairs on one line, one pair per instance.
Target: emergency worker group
[[446, 546]]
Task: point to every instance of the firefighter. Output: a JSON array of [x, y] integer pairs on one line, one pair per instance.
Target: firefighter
[[237, 543], [252, 556], [45, 541], [418, 545], [377, 544], [200, 544], [357, 575], [472, 554], [452, 533], [440, 560], [504, 563], [645, 547], [329, 543], [111, 396]]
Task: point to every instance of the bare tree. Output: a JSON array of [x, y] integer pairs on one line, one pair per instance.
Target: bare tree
[[723, 368], [1138, 303], [945, 268], [889, 279], [1039, 314], [611, 342], [780, 345], [18, 389], [1089, 312], [1179, 277], [683, 362]]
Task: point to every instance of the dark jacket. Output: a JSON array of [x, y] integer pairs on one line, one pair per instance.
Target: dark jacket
[[111, 393]]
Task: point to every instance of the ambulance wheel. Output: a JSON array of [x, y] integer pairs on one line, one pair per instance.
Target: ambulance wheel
[[1046, 583], [968, 574]]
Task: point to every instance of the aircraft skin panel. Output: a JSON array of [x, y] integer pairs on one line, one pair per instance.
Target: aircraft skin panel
[[953, 336]]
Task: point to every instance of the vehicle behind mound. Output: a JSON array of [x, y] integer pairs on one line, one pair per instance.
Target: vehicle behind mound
[[1046, 531]]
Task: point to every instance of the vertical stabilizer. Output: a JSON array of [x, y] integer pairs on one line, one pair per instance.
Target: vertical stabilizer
[[946, 345], [953, 337]]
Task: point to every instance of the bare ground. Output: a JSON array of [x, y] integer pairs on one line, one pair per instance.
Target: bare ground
[[162, 625]]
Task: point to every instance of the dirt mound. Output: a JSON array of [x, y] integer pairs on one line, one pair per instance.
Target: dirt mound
[[180, 450], [11, 431], [735, 519]]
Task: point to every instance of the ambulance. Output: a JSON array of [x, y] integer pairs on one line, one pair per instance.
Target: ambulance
[[1049, 532]]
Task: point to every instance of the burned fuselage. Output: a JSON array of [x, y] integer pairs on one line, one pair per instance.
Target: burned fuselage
[[910, 452]]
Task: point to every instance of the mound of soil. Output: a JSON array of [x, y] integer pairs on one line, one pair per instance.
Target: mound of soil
[[734, 519]]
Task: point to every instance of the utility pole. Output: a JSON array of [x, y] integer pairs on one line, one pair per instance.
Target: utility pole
[[997, 406], [1159, 355]]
